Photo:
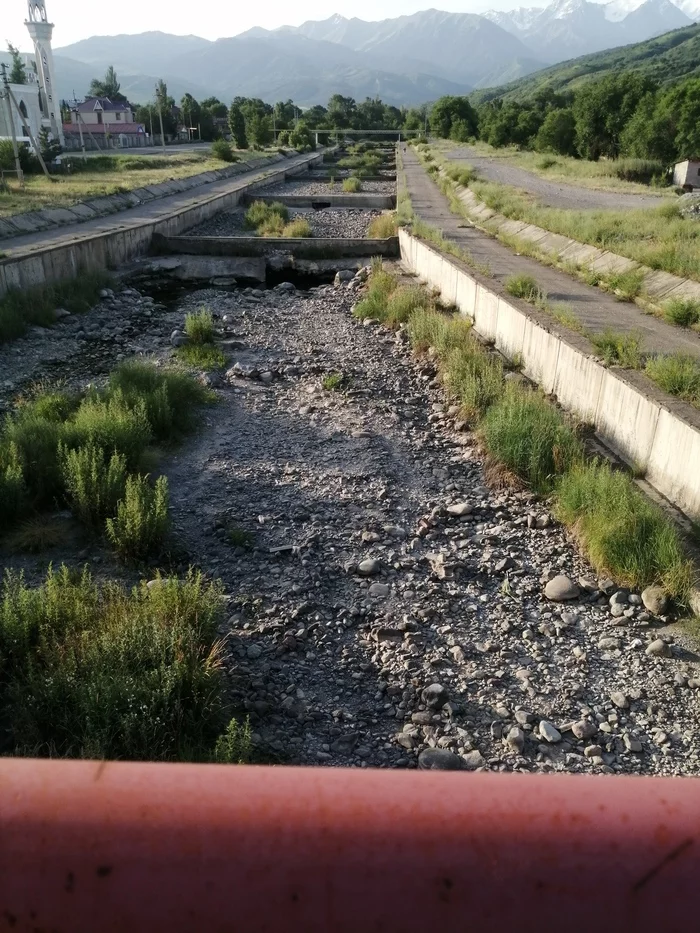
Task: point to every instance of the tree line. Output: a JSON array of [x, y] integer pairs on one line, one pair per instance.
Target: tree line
[[622, 114]]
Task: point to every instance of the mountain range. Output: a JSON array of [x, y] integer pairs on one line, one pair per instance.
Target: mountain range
[[404, 60]]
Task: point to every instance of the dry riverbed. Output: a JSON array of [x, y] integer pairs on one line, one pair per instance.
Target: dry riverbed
[[327, 222], [386, 604]]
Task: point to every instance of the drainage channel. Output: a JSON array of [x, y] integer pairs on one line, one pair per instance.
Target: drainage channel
[[384, 602]]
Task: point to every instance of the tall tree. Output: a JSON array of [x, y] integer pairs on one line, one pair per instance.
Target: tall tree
[[18, 72], [448, 109], [190, 111], [236, 123], [108, 87], [341, 111]]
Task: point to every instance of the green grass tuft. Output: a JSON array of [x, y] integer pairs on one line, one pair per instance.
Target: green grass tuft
[[676, 374], [199, 326], [682, 311], [619, 349], [333, 382], [201, 356], [383, 226], [524, 286], [139, 528], [352, 185], [94, 482], [298, 228]]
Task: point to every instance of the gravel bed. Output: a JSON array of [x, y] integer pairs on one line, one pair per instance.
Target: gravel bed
[[391, 608], [329, 222], [324, 189]]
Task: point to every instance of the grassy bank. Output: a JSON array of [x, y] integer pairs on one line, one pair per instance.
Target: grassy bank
[[104, 175], [24, 308], [620, 531], [656, 237]]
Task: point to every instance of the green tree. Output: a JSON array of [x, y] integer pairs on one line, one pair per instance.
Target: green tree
[[285, 112], [316, 117], [259, 129], [236, 124], [448, 109], [300, 137], [414, 119], [215, 107], [18, 72], [48, 147], [651, 131], [341, 111], [557, 133], [683, 102], [603, 108], [190, 112], [109, 86]]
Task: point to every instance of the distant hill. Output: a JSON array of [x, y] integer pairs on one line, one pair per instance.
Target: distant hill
[[667, 58]]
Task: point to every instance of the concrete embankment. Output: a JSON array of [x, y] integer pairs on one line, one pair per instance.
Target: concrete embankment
[[653, 433], [68, 254]]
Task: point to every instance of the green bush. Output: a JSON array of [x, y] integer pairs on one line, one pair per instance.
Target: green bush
[[201, 356], [222, 150], [199, 326], [531, 437], [141, 523], [404, 301], [94, 483], [264, 214], [34, 442], [106, 674], [352, 185], [383, 226], [618, 349], [625, 535], [12, 488], [299, 228], [113, 424], [381, 285], [682, 311]]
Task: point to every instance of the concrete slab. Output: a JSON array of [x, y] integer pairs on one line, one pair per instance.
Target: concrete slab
[[540, 355], [553, 243], [82, 211], [532, 233], [577, 382], [214, 269], [57, 215], [676, 445], [685, 290], [580, 254], [511, 329], [512, 227], [143, 194], [658, 284], [611, 262], [27, 223]]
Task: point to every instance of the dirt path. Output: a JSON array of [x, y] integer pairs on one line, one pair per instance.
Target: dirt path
[[330, 655], [551, 193], [595, 309]]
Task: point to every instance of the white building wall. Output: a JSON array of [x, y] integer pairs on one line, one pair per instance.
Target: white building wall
[[27, 95]]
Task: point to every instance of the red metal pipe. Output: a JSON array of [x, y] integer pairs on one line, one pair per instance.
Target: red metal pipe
[[123, 848]]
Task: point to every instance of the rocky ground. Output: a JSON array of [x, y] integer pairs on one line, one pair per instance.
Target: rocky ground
[[328, 222], [324, 188], [388, 607]]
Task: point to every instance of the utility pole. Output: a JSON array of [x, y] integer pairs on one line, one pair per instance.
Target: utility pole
[[160, 116], [15, 149]]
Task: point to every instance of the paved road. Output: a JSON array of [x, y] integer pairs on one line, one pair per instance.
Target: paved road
[[595, 309], [146, 150], [551, 193]]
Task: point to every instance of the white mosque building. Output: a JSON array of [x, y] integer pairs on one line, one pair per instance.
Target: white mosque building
[[37, 105]]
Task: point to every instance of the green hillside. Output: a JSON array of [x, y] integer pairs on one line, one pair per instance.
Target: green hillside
[[667, 58]]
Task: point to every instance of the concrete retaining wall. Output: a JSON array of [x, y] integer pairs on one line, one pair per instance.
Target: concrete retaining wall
[[375, 202], [71, 254], [305, 247], [649, 431]]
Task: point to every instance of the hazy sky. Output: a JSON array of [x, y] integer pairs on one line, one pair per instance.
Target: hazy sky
[[78, 19]]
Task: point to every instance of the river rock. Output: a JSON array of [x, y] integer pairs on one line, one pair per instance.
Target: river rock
[[561, 588], [655, 600]]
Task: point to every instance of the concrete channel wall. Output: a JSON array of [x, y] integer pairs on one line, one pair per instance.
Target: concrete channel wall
[[651, 432], [303, 247], [72, 254]]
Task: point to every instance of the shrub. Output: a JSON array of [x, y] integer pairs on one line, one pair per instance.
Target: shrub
[[624, 533], [530, 437], [298, 228], [141, 522], [12, 488], [106, 674], [199, 326], [352, 185], [547, 162], [261, 213], [201, 356], [112, 424], [682, 311], [94, 484], [222, 150], [625, 285], [382, 226], [621, 349], [32, 441], [524, 286], [676, 374], [404, 301], [639, 170], [333, 382], [381, 285]]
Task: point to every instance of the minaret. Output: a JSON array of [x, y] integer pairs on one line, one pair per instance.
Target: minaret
[[40, 29]]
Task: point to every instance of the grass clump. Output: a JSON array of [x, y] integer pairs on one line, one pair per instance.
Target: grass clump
[[299, 228], [266, 218], [199, 327], [38, 534], [381, 285], [403, 302], [101, 673], [112, 424], [524, 286], [682, 311], [676, 374], [333, 382], [201, 356], [141, 522], [618, 349], [531, 437], [624, 534], [625, 285], [382, 227], [352, 185]]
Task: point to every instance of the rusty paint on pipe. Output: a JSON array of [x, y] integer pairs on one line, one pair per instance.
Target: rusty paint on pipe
[[89, 847]]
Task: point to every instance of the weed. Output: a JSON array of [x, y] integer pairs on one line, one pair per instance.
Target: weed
[[234, 746], [39, 534], [94, 482], [625, 285], [101, 673], [13, 491], [640, 170], [263, 214], [298, 228], [141, 522], [405, 301], [239, 537], [201, 356], [676, 374], [618, 349], [682, 311], [333, 382], [352, 185], [531, 437], [383, 226], [547, 162], [624, 534], [199, 327], [524, 286], [112, 424]]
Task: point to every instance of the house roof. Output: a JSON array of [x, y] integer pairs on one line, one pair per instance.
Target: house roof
[[103, 103], [99, 129]]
